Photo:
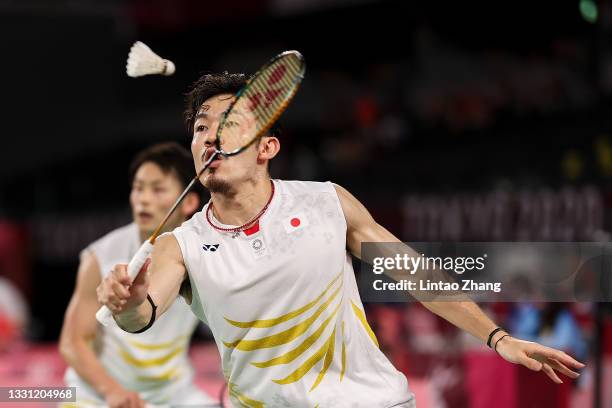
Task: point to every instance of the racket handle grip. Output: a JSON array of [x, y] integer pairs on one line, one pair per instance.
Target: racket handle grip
[[104, 315]]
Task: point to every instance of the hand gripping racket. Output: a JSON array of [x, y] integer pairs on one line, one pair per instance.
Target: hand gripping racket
[[253, 111]]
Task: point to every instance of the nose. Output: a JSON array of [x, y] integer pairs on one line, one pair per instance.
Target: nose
[[145, 197], [211, 137]]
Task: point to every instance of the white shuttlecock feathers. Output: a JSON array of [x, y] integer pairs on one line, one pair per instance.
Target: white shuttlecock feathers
[[143, 61]]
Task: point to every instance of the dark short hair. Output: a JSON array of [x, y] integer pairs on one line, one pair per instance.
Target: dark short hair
[[209, 85], [172, 158]]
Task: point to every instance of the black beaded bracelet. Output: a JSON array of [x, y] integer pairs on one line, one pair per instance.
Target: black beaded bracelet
[[491, 336]]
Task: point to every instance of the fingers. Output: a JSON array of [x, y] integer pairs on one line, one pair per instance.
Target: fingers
[[113, 292], [118, 295], [535, 365], [568, 360], [120, 291], [551, 373], [136, 401], [558, 355], [119, 402], [560, 367], [552, 360], [120, 274], [531, 363]]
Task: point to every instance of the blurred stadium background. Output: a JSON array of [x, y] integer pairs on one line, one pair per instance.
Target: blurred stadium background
[[487, 121]]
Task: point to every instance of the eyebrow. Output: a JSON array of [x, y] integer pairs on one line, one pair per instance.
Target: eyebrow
[[200, 115]]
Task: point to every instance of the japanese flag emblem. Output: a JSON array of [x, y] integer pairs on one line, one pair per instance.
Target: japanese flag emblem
[[295, 222]]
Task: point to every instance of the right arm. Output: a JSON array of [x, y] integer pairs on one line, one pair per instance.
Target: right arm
[[79, 331], [161, 280]]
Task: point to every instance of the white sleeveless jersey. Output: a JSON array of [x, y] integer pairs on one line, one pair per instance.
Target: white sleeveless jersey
[[283, 305], [154, 363]]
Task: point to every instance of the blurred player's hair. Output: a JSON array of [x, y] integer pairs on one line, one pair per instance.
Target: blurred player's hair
[[209, 85], [172, 158]]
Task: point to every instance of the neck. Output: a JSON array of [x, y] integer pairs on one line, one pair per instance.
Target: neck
[[244, 204]]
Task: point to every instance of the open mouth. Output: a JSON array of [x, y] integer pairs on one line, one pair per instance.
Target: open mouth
[[208, 153], [144, 216]]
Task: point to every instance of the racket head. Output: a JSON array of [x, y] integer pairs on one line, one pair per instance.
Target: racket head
[[260, 102]]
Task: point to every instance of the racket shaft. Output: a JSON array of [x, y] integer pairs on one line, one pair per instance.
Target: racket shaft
[[104, 314]]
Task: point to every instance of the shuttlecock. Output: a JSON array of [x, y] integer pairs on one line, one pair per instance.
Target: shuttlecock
[[143, 61]]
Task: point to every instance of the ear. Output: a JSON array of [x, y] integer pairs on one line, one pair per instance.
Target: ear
[[268, 148], [190, 204]]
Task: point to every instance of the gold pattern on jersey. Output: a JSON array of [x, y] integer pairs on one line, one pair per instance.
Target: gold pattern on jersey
[[151, 362], [273, 322], [244, 401], [343, 355], [168, 375], [159, 346], [329, 357], [285, 336], [308, 364], [325, 353], [361, 316], [305, 345]]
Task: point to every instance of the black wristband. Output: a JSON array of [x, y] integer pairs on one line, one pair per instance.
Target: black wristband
[[498, 340], [491, 336], [153, 313]]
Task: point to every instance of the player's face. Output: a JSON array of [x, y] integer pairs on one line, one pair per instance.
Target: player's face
[[223, 173], [153, 194]]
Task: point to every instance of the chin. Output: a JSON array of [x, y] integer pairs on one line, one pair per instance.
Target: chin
[[145, 228], [215, 184]]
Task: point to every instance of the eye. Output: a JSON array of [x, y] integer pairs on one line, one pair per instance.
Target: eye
[[201, 128]]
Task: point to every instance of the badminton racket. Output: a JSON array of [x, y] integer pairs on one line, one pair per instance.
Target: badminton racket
[[250, 115]]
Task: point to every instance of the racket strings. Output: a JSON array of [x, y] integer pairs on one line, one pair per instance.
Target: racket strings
[[266, 97], [283, 78]]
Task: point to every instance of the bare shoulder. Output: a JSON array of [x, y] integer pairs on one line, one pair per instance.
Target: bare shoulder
[[345, 197], [353, 210], [340, 190], [168, 257], [79, 319], [89, 274], [168, 246]]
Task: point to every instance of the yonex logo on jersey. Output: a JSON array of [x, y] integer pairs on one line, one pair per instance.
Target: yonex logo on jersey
[[210, 247]]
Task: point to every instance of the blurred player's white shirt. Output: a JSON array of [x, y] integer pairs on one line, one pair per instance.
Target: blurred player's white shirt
[[283, 305], [154, 363]]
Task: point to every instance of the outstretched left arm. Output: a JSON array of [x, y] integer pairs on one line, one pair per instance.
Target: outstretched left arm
[[466, 315]]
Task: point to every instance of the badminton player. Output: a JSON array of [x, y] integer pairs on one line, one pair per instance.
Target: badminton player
[[108, 366], [278, 291]]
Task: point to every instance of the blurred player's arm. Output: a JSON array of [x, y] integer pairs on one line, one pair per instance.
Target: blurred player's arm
[[79, 331], [467, 315], [161, 280]]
